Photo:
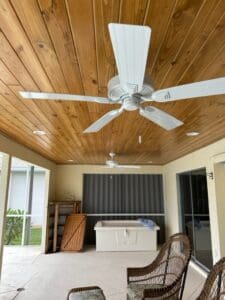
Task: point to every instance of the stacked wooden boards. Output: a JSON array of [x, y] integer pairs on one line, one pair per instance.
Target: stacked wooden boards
[[57, 215]]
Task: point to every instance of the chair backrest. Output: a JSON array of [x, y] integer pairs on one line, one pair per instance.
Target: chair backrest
[[214, 287], [173, 260]]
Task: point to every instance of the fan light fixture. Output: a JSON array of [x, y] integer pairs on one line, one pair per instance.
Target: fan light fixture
[[39, 132], [192, 133]]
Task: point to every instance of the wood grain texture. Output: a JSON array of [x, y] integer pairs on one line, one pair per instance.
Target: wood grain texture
[[181, 21], [64, 46], [56, 19]]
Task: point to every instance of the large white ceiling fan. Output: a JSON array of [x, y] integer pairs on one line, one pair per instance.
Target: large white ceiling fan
[[132, 87], [113, 164]]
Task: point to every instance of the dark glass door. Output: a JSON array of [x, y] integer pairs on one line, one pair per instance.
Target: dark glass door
[[195, 215]]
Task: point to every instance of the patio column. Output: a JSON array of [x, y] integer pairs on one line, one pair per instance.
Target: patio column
[[29, 207], [4, 187]]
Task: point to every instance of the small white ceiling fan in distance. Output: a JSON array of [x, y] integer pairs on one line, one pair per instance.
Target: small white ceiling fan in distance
[[113, 164], [132, 87]]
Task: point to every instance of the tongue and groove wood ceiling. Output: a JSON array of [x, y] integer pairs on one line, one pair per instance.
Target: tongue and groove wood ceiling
[[63, 46]]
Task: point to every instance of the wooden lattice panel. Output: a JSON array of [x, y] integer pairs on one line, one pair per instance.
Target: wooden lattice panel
[[73, 235]]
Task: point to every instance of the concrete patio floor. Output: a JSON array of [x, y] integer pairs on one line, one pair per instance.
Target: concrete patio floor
[[50, 277]]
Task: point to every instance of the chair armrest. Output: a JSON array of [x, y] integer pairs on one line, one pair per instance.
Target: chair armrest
[[135, 272], [141, 271], [157, 292]]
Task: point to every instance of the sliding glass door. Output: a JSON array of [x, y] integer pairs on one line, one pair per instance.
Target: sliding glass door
[[195, 219]]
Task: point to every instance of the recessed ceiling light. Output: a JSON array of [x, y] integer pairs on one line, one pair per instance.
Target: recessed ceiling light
[[70, 160], [39, 132], [192, 133], [150, 161]]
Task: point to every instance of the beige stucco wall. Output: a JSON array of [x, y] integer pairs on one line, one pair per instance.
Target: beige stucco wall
[[14, 149], [205, 157], [69, 181], [69, 178], [219, 171]]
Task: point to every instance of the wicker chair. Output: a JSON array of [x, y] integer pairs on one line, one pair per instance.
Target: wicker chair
[[86, 293], [214, 287], [165, 277]]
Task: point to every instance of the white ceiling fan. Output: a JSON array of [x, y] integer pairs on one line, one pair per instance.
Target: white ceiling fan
[[113, 164], [132, 87]]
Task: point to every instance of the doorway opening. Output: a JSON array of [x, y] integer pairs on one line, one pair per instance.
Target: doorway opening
[[25, 209], [24, 232], [195, 219]]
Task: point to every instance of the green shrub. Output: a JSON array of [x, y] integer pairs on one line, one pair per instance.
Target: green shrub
[[13, 226]]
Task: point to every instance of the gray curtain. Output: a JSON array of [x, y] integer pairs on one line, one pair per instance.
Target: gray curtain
[[123, 193]]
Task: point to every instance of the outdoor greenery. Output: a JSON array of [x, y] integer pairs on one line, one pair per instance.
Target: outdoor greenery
[[35, 236], [14, 227]]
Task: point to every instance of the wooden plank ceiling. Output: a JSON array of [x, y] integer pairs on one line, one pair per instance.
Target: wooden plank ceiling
[[63, 46]]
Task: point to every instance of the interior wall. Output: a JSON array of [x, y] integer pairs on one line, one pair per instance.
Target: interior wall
[[219, 175], [14, 149], [69, 178], [198, 159]]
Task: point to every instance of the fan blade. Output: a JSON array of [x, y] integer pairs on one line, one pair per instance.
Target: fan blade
[[192, 90], [64, 97], [104, 120], [128, 167], [130, 46], [160, 117], [106, 167]]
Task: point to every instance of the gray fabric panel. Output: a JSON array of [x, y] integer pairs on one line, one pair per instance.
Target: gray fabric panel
[[123, 193]]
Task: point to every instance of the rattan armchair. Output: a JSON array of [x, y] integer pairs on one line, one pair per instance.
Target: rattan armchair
[[85, 293], [165, 277], [214, 287]]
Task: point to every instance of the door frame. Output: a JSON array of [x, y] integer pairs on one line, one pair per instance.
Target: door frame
[[4, 190], [181, 213]]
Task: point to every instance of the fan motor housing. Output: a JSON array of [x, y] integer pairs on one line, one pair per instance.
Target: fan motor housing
[[116, 91], [111, 163]]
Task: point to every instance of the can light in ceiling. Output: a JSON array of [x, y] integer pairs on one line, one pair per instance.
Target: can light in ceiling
[[70, 160], [39, 132], [192, 133]]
